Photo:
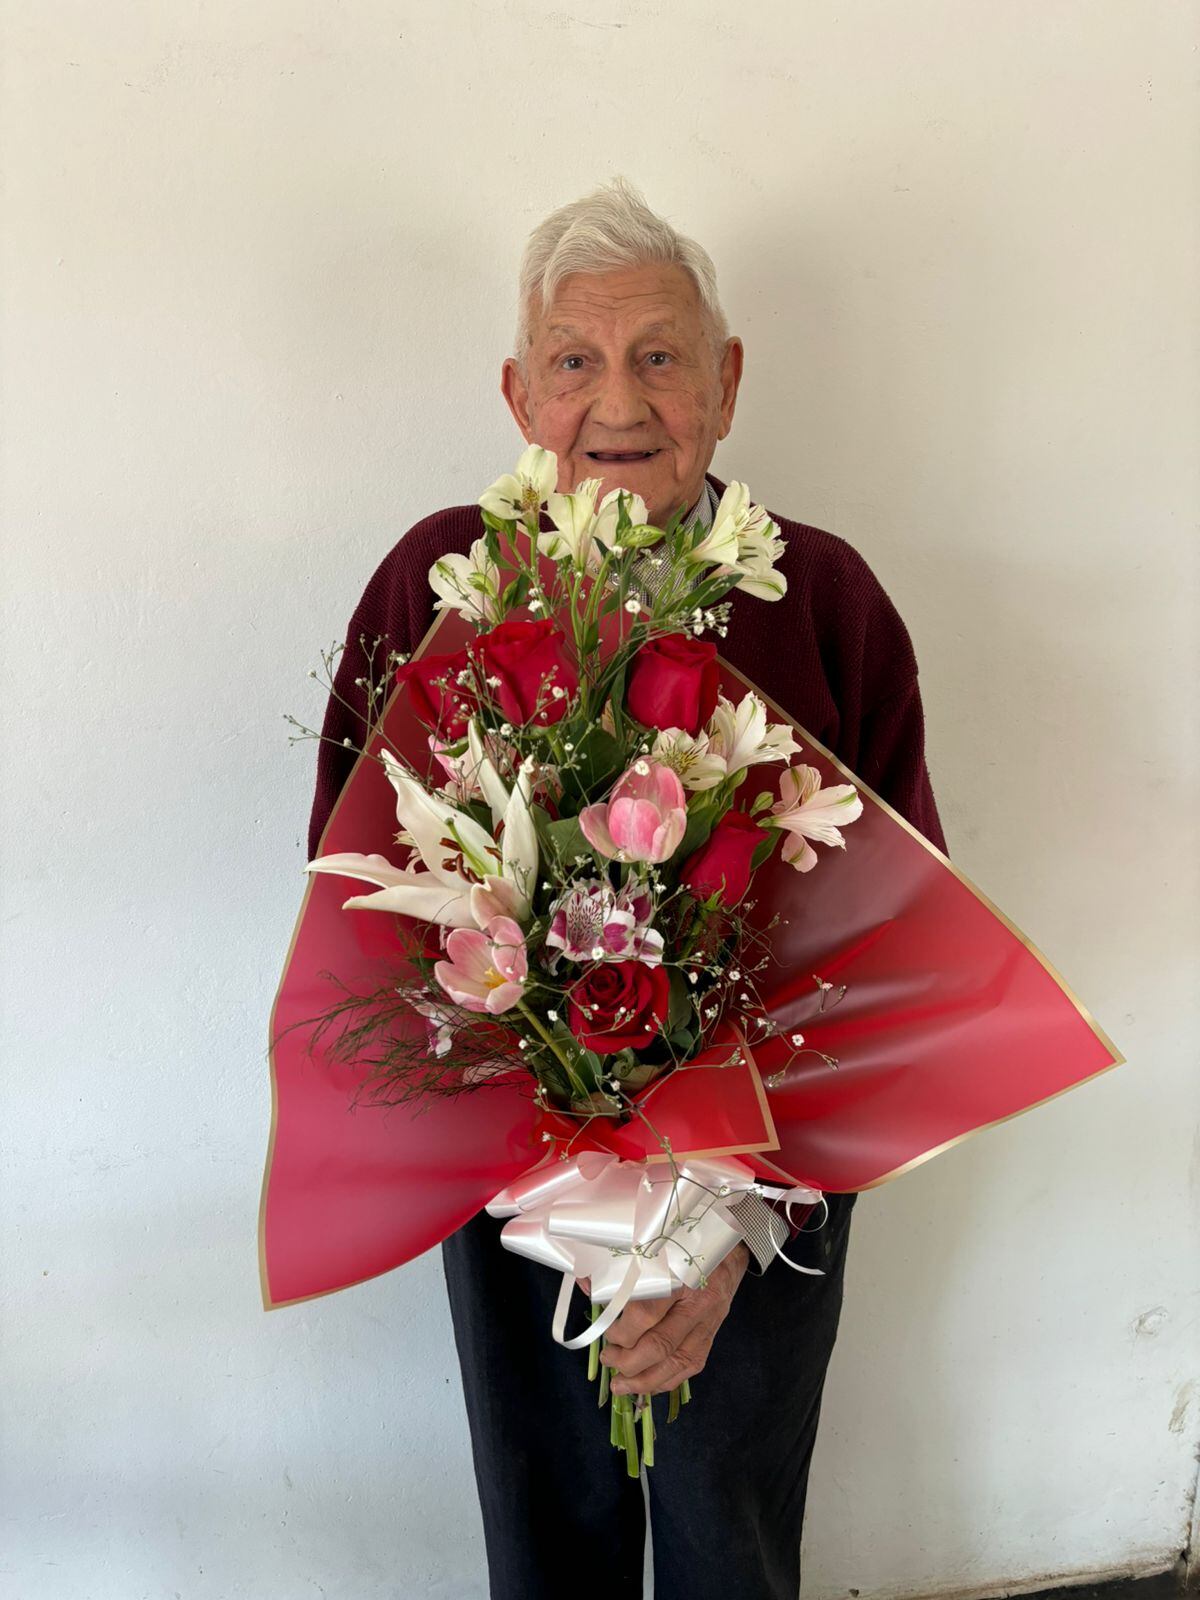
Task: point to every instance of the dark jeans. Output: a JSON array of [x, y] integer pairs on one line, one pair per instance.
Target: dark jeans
[[560, 1515]]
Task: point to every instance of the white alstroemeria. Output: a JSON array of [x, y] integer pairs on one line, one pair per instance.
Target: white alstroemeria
[[608, 512], [744, 539], [574, 519], [759, 548], [520, 495], [742, 737], [719, 546], [467, 584], [690, 756], [806, 811], [467, 874]]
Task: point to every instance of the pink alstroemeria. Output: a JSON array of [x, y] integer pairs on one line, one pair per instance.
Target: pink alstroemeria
[[806, 811], [486, 970], [593, 921], [644, 818]]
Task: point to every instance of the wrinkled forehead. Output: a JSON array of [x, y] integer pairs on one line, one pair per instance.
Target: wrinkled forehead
[[649, 302]]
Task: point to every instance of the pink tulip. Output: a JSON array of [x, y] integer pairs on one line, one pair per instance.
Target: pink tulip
[[486, 971], [645, 816]]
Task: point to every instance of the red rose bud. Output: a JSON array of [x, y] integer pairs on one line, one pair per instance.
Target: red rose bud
[[529, 662], [673, 683], [436, 695], [722, 866], [619, 1005]]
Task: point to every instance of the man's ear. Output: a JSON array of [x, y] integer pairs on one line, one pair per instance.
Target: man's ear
[[731, 376], [516, 396]]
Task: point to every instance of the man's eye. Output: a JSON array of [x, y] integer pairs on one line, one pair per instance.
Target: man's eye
[[658, 357], [567, 359]]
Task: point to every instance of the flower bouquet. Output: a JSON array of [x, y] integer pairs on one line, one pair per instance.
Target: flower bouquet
[[595, 956]]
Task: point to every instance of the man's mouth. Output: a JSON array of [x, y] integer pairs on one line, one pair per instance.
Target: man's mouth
[[620, 457]]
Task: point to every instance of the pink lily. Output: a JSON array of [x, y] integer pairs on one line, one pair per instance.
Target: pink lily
[[644, 818], [486, 970]]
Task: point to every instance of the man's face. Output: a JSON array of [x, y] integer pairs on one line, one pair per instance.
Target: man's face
[[622, 384]]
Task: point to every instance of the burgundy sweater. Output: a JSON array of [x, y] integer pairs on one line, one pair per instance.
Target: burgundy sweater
[[833, 652]]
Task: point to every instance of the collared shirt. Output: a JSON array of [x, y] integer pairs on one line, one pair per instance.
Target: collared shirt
[[705, 508], [645, 574]]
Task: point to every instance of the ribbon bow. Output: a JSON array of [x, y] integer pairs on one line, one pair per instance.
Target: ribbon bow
[[636, 1234]]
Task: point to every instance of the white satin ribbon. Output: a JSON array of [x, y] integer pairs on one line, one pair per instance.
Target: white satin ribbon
[[636, 1230]]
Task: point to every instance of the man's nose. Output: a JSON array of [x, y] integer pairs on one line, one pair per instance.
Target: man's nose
[[619, 403]]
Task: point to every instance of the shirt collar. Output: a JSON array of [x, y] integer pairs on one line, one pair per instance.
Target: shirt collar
[[705, 508]]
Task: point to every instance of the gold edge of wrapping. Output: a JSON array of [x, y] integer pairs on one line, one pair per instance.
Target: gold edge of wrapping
[[945, 860], [270, 1304], [764, 1106], [749, 1149], [996, 1122]]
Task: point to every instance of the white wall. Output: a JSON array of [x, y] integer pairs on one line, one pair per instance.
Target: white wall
[[258, 283]]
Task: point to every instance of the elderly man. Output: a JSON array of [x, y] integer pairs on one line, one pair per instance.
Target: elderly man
[[625, 369]]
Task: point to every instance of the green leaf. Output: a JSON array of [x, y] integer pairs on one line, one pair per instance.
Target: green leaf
[[564, 839], [514, 594], [679, 1008], [762, 852], [598, 758]]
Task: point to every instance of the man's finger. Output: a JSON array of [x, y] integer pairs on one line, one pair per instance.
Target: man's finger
[[658, 1344], [638, 1317], [685, 1361]]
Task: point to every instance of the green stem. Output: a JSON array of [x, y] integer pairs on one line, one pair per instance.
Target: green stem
[[594, 1351], [564, 1061], [632, 1465], [647, 1433]]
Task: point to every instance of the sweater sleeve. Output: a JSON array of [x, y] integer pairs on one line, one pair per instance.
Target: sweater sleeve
[[892, 760], [874, 682], [396, 608]]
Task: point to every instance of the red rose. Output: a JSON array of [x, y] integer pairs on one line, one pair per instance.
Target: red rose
[[722, 866], [530, 660], [673, 683], [619, 1005], [437, 697]]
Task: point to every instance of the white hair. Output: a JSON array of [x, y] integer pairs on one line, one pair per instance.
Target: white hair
[[610, 228]]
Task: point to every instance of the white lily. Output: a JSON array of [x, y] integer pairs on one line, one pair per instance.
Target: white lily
[[428, 896], [806, 811], [483, 772], [574, 518], [467, 584], [520, 495], [742, 737], [468, 875], [690, 756]]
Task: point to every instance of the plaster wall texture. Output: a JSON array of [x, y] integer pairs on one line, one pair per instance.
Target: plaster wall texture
[[257, 283]]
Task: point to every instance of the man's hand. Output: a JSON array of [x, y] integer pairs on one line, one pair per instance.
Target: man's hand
[[655, 1344]]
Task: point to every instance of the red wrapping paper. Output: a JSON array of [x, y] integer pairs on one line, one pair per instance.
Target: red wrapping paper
[[951, 1021]]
